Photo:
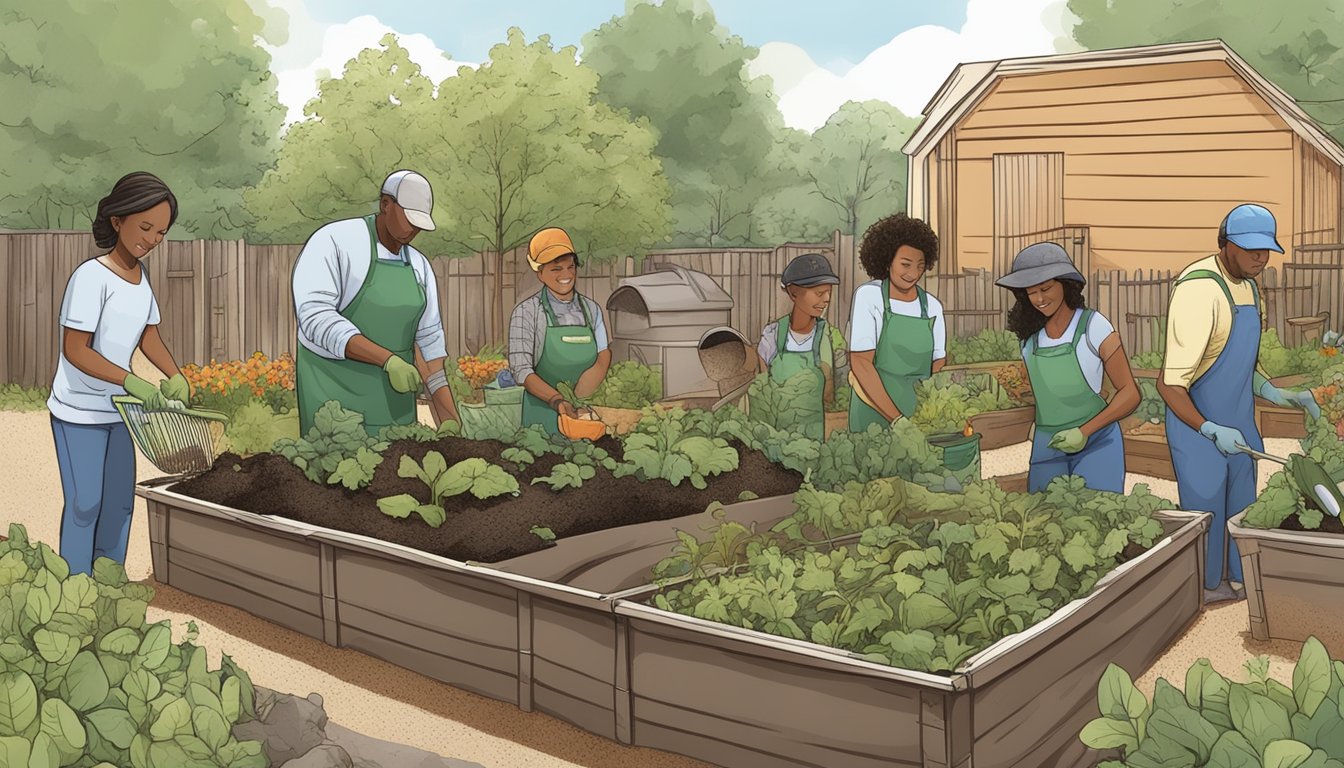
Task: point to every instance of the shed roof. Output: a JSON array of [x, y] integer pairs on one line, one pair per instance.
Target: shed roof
[[971, 82], [670, 289]]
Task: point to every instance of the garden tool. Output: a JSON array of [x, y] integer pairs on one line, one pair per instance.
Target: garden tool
[[1310, 478], [178, 440]]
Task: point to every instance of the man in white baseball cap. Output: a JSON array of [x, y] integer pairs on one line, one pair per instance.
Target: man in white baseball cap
[[367, 306]]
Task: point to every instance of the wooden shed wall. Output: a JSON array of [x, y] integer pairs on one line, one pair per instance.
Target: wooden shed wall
[[1155, 156]]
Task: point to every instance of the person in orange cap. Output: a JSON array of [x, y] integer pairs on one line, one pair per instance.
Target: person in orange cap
[[556, 335]]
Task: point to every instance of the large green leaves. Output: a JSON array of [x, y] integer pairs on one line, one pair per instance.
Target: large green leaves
[[18, 703]]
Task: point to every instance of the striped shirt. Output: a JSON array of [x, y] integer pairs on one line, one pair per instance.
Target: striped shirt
[[527, 330]]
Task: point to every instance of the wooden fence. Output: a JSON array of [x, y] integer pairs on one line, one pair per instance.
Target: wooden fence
[[225, 300]]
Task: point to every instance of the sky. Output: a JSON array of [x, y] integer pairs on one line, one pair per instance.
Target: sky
[[819, 54]]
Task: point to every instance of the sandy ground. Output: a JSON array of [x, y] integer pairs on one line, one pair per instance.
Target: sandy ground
[[387, 702]]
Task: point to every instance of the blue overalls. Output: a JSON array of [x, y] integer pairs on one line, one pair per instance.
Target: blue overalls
[[1206, 480]]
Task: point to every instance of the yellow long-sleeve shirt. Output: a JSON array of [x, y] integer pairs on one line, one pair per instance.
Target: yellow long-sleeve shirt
[[1199, 322]]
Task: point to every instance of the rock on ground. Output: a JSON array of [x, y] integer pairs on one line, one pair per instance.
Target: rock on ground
[[295, 733]]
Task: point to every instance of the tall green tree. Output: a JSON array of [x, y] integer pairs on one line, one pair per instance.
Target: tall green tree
[[363, 124], [94, 90], [524, 143], [856, 163], [1297, 44], [674, 64]]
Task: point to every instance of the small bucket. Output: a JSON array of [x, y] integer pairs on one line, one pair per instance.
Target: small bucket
[[961, 454]]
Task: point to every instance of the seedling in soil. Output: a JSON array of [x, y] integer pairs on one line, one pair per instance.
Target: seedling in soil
[[567, 475], [477, 476], [545, 534]]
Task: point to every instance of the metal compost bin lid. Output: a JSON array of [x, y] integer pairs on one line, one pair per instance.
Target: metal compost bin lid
[[671, 288], [727, 357]]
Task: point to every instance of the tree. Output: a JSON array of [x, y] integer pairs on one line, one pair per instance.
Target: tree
[[524, 144], [856, 163], [93, 91], [367, 122], [1297, 44], [674, 65]]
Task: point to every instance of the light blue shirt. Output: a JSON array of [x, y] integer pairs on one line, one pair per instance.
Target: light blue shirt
[[116, 312], [327, 276]]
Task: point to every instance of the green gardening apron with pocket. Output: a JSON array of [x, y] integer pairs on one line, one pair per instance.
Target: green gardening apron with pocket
[[566, 353], [786, 364], [903, 358], [1064, 399], [387, 311]]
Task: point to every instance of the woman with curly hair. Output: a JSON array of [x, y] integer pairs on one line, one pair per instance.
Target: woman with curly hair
[[1067, 347], [108, 312], [897, 332]]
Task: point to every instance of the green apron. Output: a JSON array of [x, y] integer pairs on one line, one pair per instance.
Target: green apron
[[387, 311], [1057, 379], [567, 352], [787, 364], [903, 358]]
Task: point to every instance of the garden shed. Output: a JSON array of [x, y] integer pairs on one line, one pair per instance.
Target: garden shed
[[1133, 156], [658, 318]]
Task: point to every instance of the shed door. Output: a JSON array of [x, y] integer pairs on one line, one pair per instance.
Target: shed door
[[1028, 203]]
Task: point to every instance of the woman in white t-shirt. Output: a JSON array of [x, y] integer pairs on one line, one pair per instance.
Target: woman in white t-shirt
[[108, 312], [1067, 347], [897, 336]]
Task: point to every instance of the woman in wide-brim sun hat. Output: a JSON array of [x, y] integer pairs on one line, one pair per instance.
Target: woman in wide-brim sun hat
[[1067, 348]]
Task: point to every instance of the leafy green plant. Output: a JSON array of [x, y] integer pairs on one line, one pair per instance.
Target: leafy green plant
[[786, 406], [947, 407], [629, 384], [18, 398], [255, 428], [86, 681], [336, 435], [907, 576], [517, 456], [1283, 500], [475, 476], [989, 345], [420, 433], [1216, 722], [356, 471], [566, 475], [675, 455], [1151, 360]]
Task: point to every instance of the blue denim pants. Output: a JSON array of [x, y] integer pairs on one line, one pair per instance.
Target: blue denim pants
[[97, 463]]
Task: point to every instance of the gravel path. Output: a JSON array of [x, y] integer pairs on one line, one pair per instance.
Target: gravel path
[[388, 702]]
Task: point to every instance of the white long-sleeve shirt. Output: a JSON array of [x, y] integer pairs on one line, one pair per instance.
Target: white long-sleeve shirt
[[328, 274]]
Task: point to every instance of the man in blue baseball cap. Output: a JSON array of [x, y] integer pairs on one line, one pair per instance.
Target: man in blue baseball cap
[[1209, 378]]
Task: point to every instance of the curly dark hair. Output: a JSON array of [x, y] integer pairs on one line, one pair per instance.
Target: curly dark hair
[[886, 235], [1024, 319]]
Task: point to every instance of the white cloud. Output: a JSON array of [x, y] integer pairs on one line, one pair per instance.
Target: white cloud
[[315, 50], [907, 71]]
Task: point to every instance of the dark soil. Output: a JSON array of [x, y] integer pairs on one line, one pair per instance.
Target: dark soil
[[1328, 525], [486, 530]]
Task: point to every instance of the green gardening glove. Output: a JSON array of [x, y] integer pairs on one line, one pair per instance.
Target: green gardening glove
[[403, 376], [1069, 440], [148, 394], [177, 389]]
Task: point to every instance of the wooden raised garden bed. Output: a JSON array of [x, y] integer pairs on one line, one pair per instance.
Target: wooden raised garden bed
[[743, 699], [1148, 454], [1294, 583], [999, 429], [516, 631]]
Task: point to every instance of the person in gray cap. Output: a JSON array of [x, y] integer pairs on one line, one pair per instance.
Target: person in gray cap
[[1210, 374], [1067, 347], [802, 343], [368, 313]]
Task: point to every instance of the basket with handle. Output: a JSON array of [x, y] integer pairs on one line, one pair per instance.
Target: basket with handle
[[178, 440]]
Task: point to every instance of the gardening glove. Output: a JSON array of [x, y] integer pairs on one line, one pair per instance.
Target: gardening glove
[[177, 389], [403, 376], [1069, 440], [148, 394], [1285, 399], [1226, 438]]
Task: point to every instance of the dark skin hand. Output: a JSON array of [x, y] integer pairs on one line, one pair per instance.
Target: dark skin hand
[[907, 269], [1240, 264], [809, 304], [137, 235], [561, 278], [1048, 299]]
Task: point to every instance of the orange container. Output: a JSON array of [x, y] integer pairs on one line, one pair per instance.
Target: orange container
[[581, 429]]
